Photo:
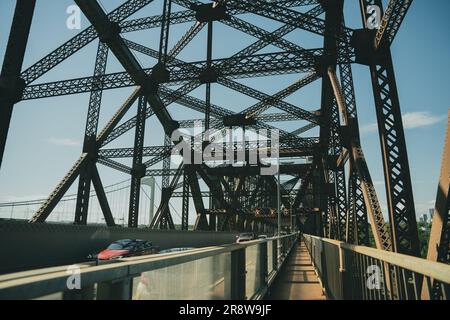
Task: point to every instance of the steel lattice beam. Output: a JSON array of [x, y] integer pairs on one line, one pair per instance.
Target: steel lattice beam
[[138, 169], [90, 136], [399, 191], [391, 22], [79, 41], [265, 64], [382, 238]]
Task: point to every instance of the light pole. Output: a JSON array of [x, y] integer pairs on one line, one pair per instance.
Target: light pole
[[290, 214], [279, 212], [150, 181]]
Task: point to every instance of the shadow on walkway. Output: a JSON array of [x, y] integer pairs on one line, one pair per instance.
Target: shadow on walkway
[[297, 280]]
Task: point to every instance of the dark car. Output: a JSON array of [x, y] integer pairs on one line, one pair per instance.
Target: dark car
[[246, 236], [127, 248]]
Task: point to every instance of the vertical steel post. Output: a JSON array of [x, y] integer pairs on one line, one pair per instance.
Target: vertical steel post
[[208, 84], [263, 264], [279, 207], [85, 293], [102, 199], [399, 192], [90, 137], [115, 290], [165, 29], [333, 18], [237, 270], [138, 169], [275, 254], [165, 190]]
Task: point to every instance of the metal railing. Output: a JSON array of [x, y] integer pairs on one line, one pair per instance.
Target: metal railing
[[235, 271], [362, 273]]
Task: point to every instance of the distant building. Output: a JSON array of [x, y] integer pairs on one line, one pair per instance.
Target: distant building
[[431, 211]]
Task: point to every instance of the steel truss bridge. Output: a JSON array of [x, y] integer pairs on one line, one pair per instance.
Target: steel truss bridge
[[332, 194]]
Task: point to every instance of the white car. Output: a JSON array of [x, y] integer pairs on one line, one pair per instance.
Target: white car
[[247, 236]]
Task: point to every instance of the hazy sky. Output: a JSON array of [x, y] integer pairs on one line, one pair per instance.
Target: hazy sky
[[46, 135]]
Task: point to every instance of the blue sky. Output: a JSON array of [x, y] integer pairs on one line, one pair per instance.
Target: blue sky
[[46, 135]]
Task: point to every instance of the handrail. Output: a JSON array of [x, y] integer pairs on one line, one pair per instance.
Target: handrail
[[436, 270], [356, 272]]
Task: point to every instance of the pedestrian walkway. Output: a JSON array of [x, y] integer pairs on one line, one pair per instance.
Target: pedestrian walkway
[[297, 280]]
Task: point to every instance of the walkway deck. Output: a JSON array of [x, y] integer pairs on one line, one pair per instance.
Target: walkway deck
[[297, 280]]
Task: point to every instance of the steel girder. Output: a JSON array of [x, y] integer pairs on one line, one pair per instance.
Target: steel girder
[[244, 171], [399, 192], [354, 228], [161, 152], [357, 230], [390, 24], [274, 100], [268, 117], [328, 144], [11, 83], [355, 221], [165, 29], [265, 64], [90, 135], [382, 238], [196, 197], [138, 168], [79, 41], [277, 12], [266, 39], [101, 195]]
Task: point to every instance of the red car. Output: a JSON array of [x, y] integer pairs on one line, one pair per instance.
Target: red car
[[127, 248]]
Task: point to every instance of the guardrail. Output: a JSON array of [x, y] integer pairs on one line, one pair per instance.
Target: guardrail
[[237, 271], [362, 273]]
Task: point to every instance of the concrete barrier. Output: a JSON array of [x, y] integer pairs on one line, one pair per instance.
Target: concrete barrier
[[25, 246]]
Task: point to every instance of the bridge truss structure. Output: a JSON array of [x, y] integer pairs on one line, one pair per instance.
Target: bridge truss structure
[[333, 190]]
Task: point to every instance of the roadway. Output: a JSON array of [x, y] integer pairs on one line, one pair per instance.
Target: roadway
[[33, 246]]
